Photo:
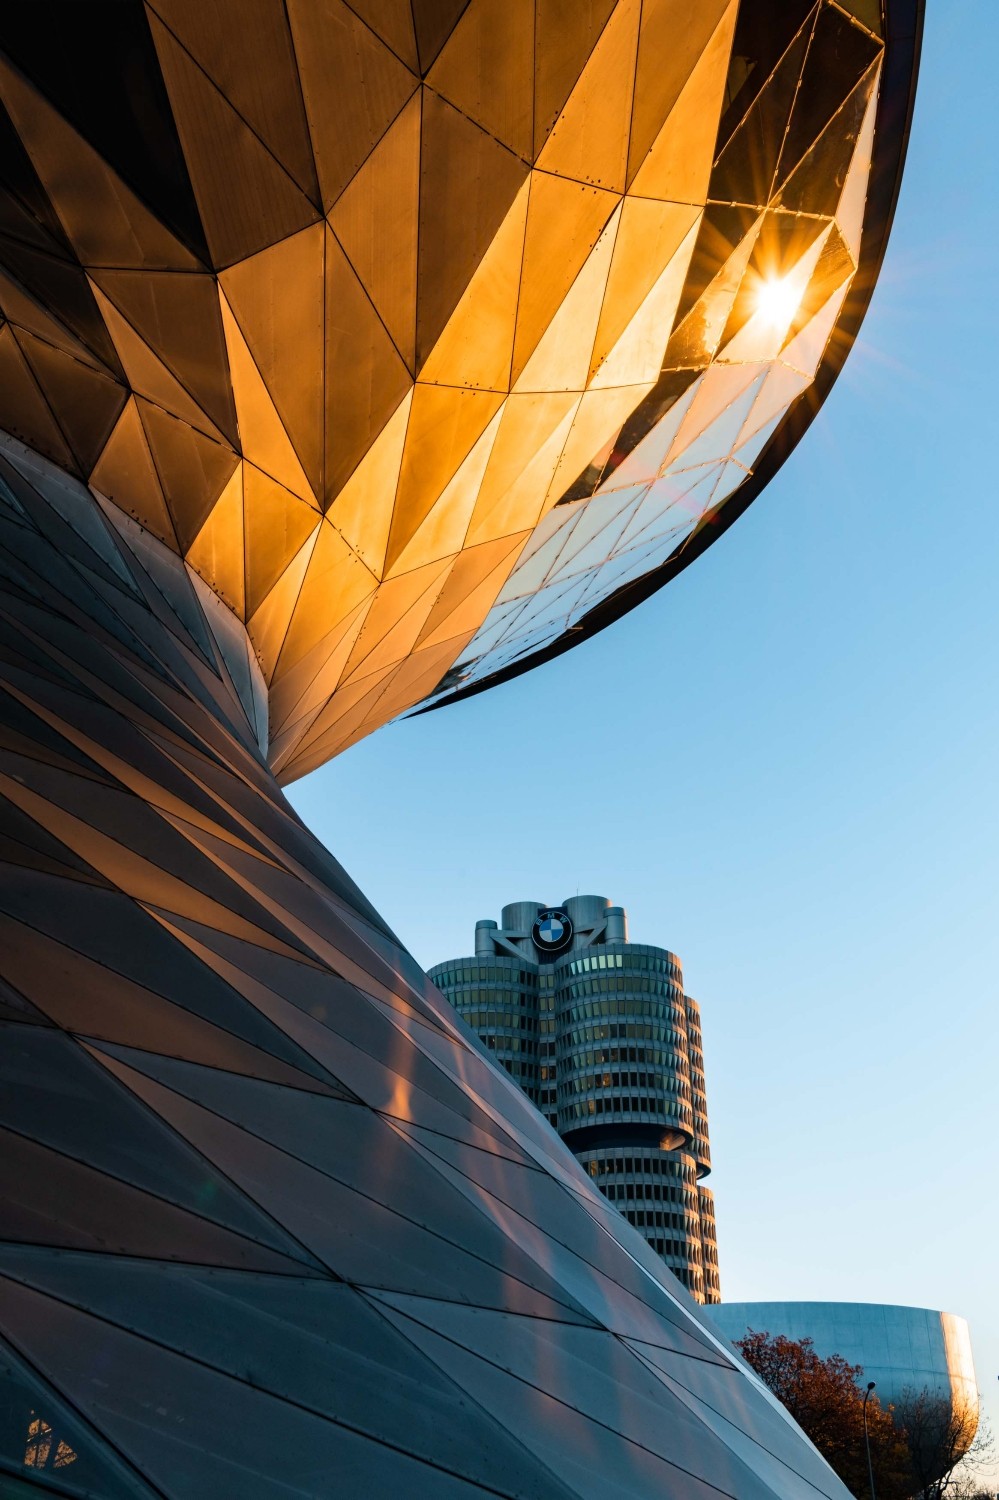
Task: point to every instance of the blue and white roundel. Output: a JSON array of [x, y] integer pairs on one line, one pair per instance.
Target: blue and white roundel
[[552, 932]]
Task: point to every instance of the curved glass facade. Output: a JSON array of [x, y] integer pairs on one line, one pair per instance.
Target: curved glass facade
[[709, 1243], [657, 1192], [499, 1000], [604, 1040], [622, 1043], [701, 1145]]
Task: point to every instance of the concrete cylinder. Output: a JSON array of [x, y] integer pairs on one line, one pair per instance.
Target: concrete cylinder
[[586, 911], [520, 916], [617, 924], [484, 938]]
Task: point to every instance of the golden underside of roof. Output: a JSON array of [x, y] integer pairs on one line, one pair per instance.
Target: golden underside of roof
[[462, 261]]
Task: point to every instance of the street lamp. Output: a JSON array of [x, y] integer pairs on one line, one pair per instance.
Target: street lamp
[[867, 1441]]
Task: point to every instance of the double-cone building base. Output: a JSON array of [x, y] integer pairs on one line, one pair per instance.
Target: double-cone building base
[[272, 1223]]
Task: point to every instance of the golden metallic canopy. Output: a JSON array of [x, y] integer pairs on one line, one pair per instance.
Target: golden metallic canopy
[[419, 330]]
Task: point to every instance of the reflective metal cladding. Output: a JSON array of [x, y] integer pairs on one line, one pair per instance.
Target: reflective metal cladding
[[431, 336], [351, 356], [271, 1223]]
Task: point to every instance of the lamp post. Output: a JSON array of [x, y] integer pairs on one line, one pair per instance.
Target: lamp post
[[867, 1441]]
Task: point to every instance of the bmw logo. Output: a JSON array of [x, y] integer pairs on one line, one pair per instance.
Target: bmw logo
[[552, 932]]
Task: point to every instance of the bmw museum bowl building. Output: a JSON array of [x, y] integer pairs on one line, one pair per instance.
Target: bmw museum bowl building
[[354, 356]]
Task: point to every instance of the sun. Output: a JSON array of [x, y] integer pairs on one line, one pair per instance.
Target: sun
[[777, 300]]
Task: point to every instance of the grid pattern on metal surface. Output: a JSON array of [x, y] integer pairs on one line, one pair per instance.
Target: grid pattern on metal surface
[[342, 301], [272, 1223]]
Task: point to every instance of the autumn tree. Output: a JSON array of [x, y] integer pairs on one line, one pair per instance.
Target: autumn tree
[[824, 1398], [945, 1443]]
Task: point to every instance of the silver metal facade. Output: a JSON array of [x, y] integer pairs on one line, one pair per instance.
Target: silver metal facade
[[603, 1039], [273, 1223], [900, 1348]]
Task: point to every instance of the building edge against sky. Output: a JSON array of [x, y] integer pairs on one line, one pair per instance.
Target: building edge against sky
[[601, 1036]]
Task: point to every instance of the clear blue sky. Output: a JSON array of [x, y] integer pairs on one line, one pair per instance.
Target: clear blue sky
[[785, 767]]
